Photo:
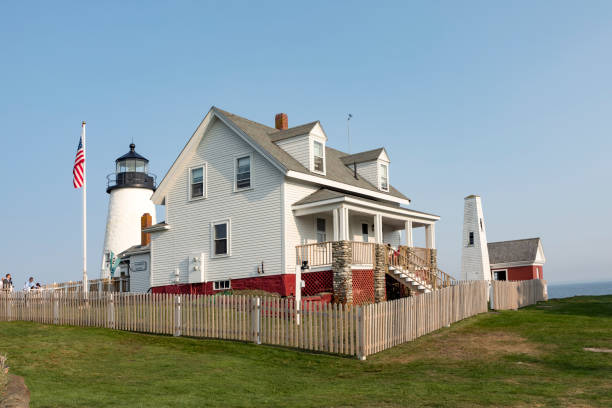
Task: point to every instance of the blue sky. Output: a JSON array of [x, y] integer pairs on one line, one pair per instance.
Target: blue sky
[[508, 100]]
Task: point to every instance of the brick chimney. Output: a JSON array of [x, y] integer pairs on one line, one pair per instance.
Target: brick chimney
[[281, 121], [145, 222]]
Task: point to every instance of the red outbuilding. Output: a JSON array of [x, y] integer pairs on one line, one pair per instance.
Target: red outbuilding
[[522, 259]]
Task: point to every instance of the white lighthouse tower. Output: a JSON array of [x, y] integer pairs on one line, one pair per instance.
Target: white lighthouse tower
[[475, 253], [130, 189]]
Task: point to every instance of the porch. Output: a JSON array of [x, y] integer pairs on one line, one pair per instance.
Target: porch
[[327, 216]]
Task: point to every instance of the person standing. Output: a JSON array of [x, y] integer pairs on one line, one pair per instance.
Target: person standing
[[29, 285], [7, 282]]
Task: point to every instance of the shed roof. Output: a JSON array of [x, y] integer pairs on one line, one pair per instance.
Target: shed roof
[[520, 250], [362, 157]]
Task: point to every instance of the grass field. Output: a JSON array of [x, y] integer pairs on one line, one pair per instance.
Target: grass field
[[533, 357]]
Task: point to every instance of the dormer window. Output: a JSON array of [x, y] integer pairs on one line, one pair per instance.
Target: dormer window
[[384, 177], [319, 157]]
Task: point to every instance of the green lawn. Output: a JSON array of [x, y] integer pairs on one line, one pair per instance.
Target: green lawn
[[533, 357]]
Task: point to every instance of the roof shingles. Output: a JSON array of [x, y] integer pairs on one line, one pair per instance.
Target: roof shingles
[[520, 250], [336, 170]]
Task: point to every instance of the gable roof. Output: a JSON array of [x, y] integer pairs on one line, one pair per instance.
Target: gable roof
[[362, 157], [520, 250], [263, 137]]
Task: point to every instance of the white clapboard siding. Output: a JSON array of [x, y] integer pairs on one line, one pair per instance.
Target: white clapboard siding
[[255, 232], [140, 281], [298, 230], [298, 147]]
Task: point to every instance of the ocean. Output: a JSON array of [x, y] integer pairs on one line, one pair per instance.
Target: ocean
[[579, 289]]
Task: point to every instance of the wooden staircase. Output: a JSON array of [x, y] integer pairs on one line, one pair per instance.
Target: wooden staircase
[[416, 273]]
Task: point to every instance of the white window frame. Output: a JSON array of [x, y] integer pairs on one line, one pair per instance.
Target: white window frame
[[229, 238], [204, 167], [240, 156], [380, 176], [216, 284], [313, 157]]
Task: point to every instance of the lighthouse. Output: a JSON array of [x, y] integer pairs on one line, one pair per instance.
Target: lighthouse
[[130, 188]]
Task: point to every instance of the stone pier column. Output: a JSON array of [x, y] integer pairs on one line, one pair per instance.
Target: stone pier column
[[342, 258], [380, 287], [433, 260]]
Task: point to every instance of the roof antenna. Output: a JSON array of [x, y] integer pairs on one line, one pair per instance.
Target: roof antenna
[[348, 132]]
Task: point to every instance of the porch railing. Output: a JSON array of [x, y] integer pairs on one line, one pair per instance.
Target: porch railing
[[364, 253], [320, 253], [317, 254]]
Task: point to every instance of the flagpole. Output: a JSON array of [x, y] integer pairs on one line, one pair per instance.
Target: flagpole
[[85, 282]]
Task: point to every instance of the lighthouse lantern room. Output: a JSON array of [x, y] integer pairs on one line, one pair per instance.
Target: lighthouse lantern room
[[130, 189]]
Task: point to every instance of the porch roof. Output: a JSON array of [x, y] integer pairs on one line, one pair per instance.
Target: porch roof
[[325, 196]]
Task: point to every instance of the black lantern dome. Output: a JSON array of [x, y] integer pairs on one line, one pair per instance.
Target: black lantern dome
[[132, 170]]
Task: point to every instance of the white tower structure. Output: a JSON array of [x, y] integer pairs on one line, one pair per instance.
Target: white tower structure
[[130, 189], [475, 253]]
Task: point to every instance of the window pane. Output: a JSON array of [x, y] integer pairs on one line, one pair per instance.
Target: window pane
[[318, 163], [321, 235], [220, 246], [244, 164], [220, 231], [243, 172], [197, 190], [197, 175], [131, 165], [318, 149], [140, 166]]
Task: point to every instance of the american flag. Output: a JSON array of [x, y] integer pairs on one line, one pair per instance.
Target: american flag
[[79, 161]]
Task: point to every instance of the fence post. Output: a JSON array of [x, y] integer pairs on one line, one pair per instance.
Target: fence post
[[55, 309], [361, 333], [491, 295], [111, 311], [177, 316], [256, 322]]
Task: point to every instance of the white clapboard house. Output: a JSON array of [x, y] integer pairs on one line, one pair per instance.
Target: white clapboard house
[[246, 203]]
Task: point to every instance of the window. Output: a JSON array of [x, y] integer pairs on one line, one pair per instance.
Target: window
[[221, 285], [364, 232], [471, 239], [481, 224], [243, 172], [196, 188], [500, 275], [319, 157], [321, 235], [384, 177], [220, 238]]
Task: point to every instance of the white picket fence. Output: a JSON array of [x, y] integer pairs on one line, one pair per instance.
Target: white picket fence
[[333, 328]]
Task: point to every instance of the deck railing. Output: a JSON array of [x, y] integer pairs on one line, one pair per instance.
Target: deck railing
[[317, 254], [320, 253], [364, 253]]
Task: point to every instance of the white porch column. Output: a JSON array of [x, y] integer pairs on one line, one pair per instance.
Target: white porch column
[[344, 224], [408, 233], [430, 236], [378, 233], [336, 223]]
